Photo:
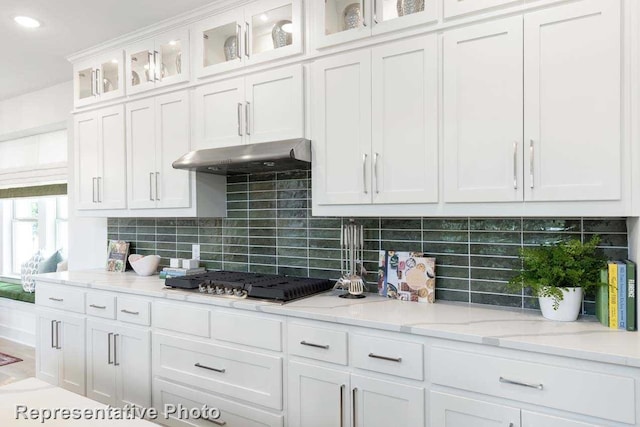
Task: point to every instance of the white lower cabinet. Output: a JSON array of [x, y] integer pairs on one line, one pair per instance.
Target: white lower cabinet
[[60, 350], [118, 369], [322, 397], [448, 410], [534, 419]]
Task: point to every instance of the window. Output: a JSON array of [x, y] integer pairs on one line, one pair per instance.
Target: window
[[31, 224]]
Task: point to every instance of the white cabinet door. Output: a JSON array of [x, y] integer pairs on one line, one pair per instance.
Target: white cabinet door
[[112, 179], [141, 154], [387, 16], [218, 114], [533, 419], [274, 108], [448, 410], [132, 359], [47, 356], [172, 186], [140, 71], [380, 403], [318, 397], [71, 344], [483, 112], [101, 372], [572, 80], [342, 129], [172, 57], [340, 21], [218, 43], [405, 121], [87, 152]]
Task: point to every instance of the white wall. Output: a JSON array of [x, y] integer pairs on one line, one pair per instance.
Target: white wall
[[36, 112]]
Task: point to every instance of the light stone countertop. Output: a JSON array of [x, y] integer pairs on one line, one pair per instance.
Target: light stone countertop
[[507, 328]]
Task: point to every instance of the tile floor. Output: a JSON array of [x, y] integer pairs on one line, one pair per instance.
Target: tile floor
[[19, 370]]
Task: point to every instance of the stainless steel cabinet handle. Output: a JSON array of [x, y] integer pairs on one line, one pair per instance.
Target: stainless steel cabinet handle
[[115, 350], [390, 359], [93, 189], [156, 67], [53, 322], [152, 67], [99, 86], [58, 346], [515, 165], [239, 45], [364, 15], [364, 173], [151, 187], [56, 299], [135, 313], [522, 384], [353, 405], [531, 163], [246, 40], [93, 82], [157, 196], [198, 365], [109, 361], [310, 344], [239, 118], [375, 11], [375, 171], [342, 387], [99, 190], [99, 307], [510, 424], [247, 123]]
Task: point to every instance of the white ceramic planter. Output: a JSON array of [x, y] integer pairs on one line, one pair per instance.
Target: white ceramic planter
[[569, 308]]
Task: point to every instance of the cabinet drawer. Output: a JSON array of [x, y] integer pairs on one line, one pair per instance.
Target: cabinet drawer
[[134, 310], [240, 374], [181, 318], [60, 298], [248, 330], [317, 343], [536, 383], [387, 356], [101, 305], [232, 414]]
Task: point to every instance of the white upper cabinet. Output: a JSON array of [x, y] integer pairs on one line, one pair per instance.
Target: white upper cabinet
[[405, 121], [342, 129], [264, 107], [341, 21], [482, 111], [453, 8], [99, 79], [99, 153], [572, 102], [261, 31], [158, 62]]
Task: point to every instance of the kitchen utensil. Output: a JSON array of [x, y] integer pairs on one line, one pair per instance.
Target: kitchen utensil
[[352, 252]]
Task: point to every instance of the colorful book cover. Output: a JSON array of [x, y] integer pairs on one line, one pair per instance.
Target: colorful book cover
[[622, 295], [613, 295], [406, 276], [602, 298], [117, 251], [631, 296]]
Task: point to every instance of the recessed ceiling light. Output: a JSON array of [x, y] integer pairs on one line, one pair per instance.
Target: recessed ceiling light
[[173, 43], [27, 22]]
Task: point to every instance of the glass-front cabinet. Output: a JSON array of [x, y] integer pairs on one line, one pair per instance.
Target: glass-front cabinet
[[157, 62], [261, 31], [340, 21], [99, 79]]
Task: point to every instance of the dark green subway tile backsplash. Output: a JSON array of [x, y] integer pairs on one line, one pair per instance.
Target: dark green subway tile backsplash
[[269, 229]]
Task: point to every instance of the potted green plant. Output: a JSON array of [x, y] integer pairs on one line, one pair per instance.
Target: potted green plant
[[559, 275]]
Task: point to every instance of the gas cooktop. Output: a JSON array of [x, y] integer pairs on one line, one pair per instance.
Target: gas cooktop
[[251, 285]]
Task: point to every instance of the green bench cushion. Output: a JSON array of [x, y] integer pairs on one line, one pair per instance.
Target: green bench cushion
[[15, 292]]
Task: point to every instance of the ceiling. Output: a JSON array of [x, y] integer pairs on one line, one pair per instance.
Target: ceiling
[[35, 59]]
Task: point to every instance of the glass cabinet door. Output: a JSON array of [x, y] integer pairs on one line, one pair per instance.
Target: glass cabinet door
[[171, 57], [85, 84], [219, 43], [272, 29], [141, 73], [390, 15], [109, 76], [341, 21]]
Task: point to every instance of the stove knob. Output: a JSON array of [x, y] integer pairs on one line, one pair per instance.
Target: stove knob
[[202, 288], [210, 289], [219, 290], [228, 291]]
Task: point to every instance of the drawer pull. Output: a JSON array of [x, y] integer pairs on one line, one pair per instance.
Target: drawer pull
[[100, 307], [198, 365], [310, 344], [507, 381], [135, 313], [390, 359], [56, 299], [216, 422], [342, 387]]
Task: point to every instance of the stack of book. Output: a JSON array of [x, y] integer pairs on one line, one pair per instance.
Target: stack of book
[[168, 272], [616, 303]]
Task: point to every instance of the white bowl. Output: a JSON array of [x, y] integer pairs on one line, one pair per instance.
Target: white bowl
[[144, 265]]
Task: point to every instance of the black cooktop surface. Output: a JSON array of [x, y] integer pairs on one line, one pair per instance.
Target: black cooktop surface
[[263, 286]]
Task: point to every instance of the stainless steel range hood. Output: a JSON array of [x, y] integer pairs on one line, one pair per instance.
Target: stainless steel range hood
[[263, 157]]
